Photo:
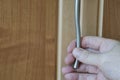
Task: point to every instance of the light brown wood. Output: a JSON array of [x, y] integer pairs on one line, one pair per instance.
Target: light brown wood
[[28, 39], [100, 17], [89, 26], [111, 22], [89, 17], [66, 31]]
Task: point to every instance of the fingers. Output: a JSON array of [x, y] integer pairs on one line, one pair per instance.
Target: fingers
[[72, 76], [92, 42], [87, 77], [87, 57], [107, 45], [71, 46], [69, 59], [84, 68], [78, 76], [67, 69], [97, 43], [88, 69], [87, 42]]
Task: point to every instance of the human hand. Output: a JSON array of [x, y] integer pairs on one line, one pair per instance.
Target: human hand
[[100, 62]]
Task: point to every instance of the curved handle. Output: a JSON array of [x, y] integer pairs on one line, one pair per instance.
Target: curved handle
[[78, 31]]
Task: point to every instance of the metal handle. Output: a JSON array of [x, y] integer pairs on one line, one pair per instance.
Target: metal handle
[[78, 31]]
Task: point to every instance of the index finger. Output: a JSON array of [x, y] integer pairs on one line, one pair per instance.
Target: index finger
[[92, 42], [71, 46]]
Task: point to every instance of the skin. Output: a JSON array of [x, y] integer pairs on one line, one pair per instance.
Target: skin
[[99, 59]]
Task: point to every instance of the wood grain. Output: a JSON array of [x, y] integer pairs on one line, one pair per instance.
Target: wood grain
[[28, 39], [66, 32], [89, 18], [111, 22]]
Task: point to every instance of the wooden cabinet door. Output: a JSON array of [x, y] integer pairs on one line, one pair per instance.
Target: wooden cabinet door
[[28, 39], [89, 22], [111, 21], [97, 18]]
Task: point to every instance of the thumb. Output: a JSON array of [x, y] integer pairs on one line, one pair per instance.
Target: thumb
[[87, 57]]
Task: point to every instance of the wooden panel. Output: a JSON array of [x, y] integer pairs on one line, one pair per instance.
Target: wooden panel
[[89, 17], [89, 23], [100, 17], [28, 39], [66, 31], [111, 23]]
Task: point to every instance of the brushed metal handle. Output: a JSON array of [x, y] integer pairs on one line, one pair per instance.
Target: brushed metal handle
[[78, 30]]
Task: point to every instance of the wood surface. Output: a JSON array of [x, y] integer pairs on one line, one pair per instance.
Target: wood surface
[[66, 32], [89, 26], [28, 39], [111, 21], [100, 17], [89, 17]]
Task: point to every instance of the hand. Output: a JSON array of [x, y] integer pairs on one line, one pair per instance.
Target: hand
[[99, 57]]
